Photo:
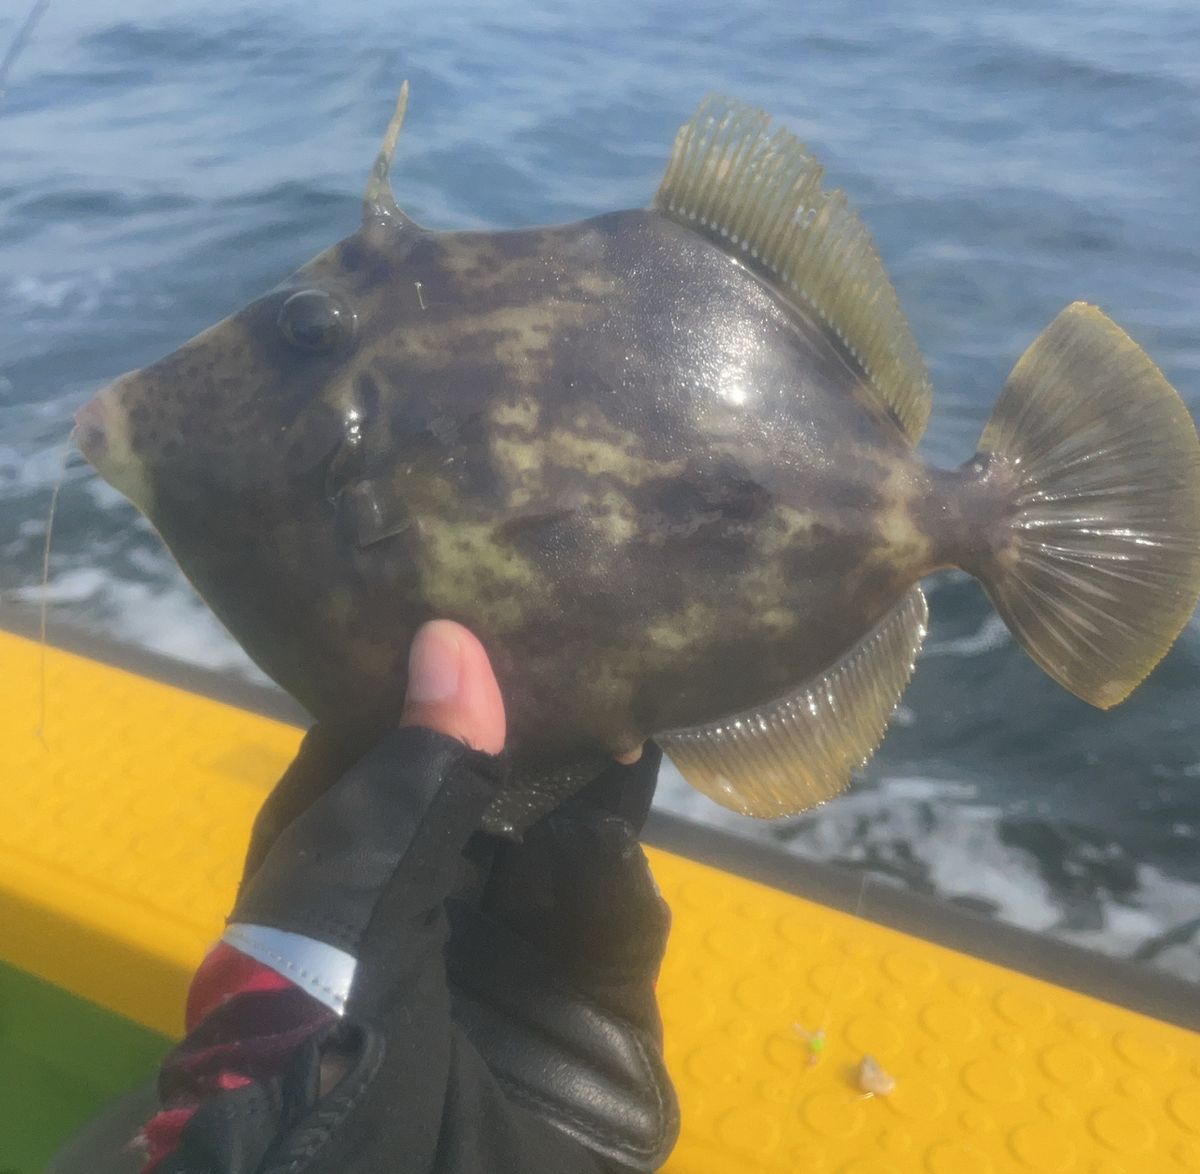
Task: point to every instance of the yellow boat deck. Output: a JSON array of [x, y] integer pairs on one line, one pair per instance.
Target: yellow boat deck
[[122, 827]]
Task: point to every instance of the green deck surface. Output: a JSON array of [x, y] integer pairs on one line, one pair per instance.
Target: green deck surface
[[61, 1059]]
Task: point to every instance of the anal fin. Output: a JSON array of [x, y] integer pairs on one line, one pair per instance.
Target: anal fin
[[800, 750]]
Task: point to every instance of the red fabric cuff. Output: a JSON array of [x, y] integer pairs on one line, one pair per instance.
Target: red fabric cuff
[[234, 1039], [224, 973]]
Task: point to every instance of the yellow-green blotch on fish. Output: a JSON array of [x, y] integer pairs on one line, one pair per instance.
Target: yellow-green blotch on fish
[[662, 462]]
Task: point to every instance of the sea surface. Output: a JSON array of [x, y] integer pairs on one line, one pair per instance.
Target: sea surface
[[161, 163]]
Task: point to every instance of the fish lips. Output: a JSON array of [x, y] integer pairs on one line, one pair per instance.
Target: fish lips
[[102, 436]]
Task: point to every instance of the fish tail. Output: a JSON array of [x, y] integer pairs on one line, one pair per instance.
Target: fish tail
[[1094, 562]]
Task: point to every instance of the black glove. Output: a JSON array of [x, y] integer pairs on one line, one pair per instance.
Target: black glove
[[552, 972], [530, 1043], [366, 870]]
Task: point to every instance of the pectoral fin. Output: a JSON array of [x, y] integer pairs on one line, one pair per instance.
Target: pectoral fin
[[800, 750], [374, 510]]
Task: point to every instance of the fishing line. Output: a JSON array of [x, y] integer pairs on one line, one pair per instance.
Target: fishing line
[[24, 34], [63, 461], [837, 980]]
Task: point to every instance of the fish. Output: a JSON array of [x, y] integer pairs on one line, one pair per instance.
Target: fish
[[662, 461]]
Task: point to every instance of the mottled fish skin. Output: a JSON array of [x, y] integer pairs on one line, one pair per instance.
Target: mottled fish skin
[[656, 493]]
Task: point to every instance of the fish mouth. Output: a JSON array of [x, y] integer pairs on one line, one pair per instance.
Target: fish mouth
[[102, 436]]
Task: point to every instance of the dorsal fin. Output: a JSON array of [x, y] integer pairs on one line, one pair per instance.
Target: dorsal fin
[[759, 195]]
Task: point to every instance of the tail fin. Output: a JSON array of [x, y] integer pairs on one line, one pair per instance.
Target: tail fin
[[1102, 568]]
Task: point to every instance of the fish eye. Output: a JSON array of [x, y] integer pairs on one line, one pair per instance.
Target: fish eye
[[315, 321]]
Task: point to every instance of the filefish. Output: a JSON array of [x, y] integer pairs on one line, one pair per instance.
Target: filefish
[[663, 463]]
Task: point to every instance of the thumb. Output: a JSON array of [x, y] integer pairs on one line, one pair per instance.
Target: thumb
[[452, 689]]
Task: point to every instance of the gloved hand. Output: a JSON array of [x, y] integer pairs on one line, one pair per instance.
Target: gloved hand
[[552, 972], [468, 1005]]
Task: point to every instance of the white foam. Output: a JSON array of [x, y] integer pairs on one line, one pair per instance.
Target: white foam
[[23, 472], [169, 619], [81, 291], [913, 788], [1162, 904], [992, 633], [176, 623], [76, 586]]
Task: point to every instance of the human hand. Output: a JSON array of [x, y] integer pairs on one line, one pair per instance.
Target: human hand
[[547, 1014], [452, 689], [381, 843], [390, 829]]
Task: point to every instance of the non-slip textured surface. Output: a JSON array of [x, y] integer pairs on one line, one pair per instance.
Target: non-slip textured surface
[[122, 826]]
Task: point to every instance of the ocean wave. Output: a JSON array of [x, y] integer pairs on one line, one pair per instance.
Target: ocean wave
[[34, 295], [170, 620], [991, 634]]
